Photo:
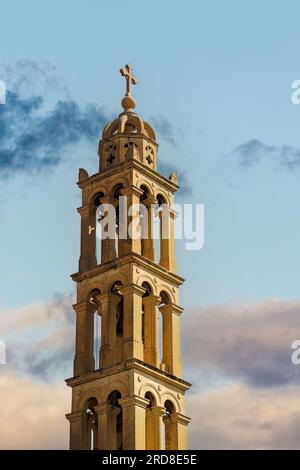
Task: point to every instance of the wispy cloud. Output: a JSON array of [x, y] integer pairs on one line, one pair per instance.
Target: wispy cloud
[[248, 342], [40, 337], [165, 128], [254, 152]]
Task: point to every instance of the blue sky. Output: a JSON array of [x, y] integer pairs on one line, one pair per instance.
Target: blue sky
[[221, 75], [218, 75]]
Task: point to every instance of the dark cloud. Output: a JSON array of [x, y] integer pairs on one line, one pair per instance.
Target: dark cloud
[[254, 152], [32, 139]]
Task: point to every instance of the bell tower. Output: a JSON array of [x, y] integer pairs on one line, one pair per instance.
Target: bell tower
[[127, 386]]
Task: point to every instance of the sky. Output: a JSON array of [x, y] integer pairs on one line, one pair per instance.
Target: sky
[[215, 82]]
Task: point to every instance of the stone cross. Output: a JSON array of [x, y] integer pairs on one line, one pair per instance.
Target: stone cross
[[129, 77]]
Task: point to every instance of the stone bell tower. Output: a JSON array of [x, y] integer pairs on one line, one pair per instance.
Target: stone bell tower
[[127, 388]]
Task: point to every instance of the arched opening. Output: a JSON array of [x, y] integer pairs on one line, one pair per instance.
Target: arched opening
[[115, 421], [118, 311], [94, 326], [144, 221], [98, 208], [170, 437], [148, 292], [90, 423], [162, 333], [151, 423], [158, 228], [116, 193]]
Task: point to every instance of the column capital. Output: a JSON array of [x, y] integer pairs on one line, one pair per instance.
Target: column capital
[[72, 417], [101, 409], [108, 298], [132, 289], [173, 213], [106, 200], [131, 190], [134, 401], [84, 210], [80, 306], [158, 410], [150, 201], [171, 308], [152, 299], [180, 418]]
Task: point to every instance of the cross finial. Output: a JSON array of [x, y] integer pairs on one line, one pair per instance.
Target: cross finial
[[129, 77]]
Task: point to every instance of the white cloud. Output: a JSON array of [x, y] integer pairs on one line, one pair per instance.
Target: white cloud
[[33, 413], [242, 417]]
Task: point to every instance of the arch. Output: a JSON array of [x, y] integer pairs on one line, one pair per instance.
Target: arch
[[166, 396], [168, 291], [116, 182], [148, 288], [116, 190], [148, 279], [113, 398], [100, 191], [149, 387], [161, 198], [92, 296], [149, 396], [87, 290], [117, 278], [169, 406], [144, 185], [165, 297], [118, 385], [86, 396]]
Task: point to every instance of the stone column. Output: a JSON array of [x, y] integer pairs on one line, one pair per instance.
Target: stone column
[[148, 243], [167, 240], [178, 431], [132, 345], [131, 242], [112, 414], [171, 338], [151, 350], [101, 411], [75, 420], [84, 357], [134, 419], [87, 258], [108, 349], [154, 423], [108, 244]]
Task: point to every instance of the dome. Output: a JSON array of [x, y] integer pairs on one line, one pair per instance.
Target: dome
[[128, 123]]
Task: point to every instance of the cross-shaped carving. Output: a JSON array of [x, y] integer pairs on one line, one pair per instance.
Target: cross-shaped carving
[[149, 159], [129, 77], [110, 159]]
